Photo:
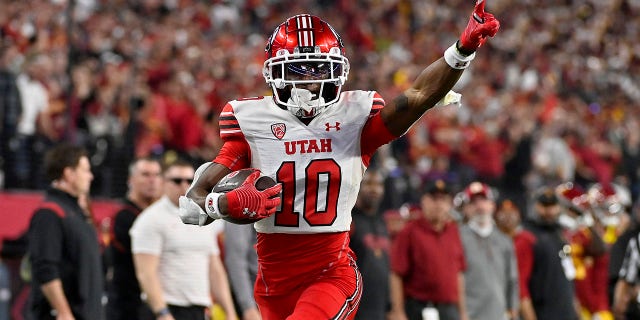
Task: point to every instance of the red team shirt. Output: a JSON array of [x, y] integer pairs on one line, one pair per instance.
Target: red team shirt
[[429, 261], [320, 166], [523, 242]]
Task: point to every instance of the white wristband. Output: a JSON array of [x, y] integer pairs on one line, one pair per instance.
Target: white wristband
[[211, 205], [457, 60]]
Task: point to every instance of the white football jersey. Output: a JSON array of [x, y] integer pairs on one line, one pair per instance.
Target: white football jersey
[[319, 165]]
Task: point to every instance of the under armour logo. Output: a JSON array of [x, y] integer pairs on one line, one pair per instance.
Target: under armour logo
[[249, 213], [329, 126]]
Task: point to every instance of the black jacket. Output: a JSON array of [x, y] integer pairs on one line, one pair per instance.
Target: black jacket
[[552, 294], [124, 289], [63, 244], [370, 243]]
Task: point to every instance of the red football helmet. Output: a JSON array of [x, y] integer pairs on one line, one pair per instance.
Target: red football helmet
[[573, 197], [305, 65], [609, 198]]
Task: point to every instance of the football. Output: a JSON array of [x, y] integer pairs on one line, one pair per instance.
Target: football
[[234, 180]]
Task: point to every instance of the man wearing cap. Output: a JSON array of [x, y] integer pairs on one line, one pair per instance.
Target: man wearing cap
[[551, 285], [491, 277], [427, 262]]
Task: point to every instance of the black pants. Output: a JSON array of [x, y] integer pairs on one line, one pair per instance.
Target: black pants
[[187, 313], [128, 309], [446, 311]]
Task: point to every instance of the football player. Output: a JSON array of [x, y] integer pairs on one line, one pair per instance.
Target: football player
[[316, 141]]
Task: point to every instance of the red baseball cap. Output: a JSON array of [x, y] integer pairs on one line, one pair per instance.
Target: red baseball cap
[[477, 188]]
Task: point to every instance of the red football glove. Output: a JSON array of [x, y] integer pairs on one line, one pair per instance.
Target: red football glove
[[481, 25], [247, 202]]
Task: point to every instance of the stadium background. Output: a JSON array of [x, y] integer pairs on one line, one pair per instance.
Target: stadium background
[[553, 98]]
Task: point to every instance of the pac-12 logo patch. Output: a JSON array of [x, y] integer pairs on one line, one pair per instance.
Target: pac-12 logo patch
[[210, 205], [278, 130]]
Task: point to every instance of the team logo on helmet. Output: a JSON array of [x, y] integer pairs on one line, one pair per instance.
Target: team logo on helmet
[[278, 130]]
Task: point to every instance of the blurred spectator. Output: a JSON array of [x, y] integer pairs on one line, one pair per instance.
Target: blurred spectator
[[396, 219], [589, 252], [491, 276], [241, 261], [482, 151], [10, 112], [122, 57], [517, 131], [183, 132], [596, 157], [399, 177], [12, 253], [28, 147], [551, 285], [370, 242], [123, 291], [624, 304], [508, 219], [611, 205], [5, 291], [160, 252], [630, 162], [428, 261], [553, 160], [66, 268]]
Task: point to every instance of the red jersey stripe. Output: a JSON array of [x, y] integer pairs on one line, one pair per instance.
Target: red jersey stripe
[[229, 127]]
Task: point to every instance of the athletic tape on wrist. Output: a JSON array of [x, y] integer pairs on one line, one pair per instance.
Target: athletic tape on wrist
[[457, 60], [211, 205]]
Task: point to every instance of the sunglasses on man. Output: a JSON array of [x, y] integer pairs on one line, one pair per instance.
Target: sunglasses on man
[[180, 180]]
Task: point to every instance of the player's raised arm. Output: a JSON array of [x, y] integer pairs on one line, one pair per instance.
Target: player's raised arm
[[438, 78]]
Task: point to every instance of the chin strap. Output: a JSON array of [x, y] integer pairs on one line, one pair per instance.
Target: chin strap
[[305, 99]]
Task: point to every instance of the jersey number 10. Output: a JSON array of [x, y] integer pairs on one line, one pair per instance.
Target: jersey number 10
[[286, 175]]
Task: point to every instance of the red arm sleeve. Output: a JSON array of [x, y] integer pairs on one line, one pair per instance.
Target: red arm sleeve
[[375, 133], [235, 152]]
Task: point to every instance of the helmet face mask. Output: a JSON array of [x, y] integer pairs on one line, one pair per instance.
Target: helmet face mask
[[305, 65], [314, 71]]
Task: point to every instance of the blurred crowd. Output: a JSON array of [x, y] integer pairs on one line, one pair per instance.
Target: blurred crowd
[[551, 99]]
